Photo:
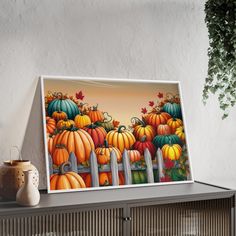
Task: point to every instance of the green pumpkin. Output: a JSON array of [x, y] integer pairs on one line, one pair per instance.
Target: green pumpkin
[[174, 109], [66, 105], [139, 177], [106, 124], [160, 140]]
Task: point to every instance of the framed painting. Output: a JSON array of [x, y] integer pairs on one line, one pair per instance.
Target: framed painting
[[113, 133]]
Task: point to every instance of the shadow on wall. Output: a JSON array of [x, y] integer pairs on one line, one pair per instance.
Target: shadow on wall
[[33, 144]]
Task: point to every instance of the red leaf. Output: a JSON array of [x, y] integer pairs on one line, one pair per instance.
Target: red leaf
[[160, 95], [151, 103], [169, 164], [144, 110], [79, 95]]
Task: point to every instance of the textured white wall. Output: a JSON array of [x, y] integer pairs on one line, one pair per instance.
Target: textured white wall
[[146, 39]]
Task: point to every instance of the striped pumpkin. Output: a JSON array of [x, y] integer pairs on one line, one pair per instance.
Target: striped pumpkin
[[50, 144], [59, 115], [50, 125], [97, 133], [171, 151], [82, 120], [134, 155], [163, 129], [96, 115], [60, 155], [157, 118], [77, 141], [65, 124], [66, 180], [64, 105], [160, 140], [174, 123], [180, 133], [121, 138], [103, 153], [142, 129], [174, 109]]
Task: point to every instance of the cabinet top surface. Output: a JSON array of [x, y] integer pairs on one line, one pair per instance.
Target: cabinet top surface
[[110, 197]]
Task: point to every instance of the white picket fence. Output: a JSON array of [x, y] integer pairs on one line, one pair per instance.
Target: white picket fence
[[114, 167]]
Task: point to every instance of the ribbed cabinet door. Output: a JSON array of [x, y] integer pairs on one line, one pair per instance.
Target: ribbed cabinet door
[[203, 218], [100, 222]]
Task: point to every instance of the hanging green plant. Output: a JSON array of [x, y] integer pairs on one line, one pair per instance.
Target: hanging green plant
[[221, 79]]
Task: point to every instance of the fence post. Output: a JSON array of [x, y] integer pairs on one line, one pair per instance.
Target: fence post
[[149, 170], [160, 164], [73, 161], [94, 169], [127, 169], [114, 169], [50, 164]]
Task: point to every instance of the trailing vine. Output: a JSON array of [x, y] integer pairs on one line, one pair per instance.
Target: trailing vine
[[221, 79]]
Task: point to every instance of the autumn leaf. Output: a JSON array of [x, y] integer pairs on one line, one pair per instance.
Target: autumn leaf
[[144, 110], [169, 164], [79, 95], [160, 95], [151, 103]]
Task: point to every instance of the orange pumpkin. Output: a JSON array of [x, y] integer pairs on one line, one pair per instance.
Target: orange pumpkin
[[66, 180], [157, 118], [103, 179], [50, 125], [82, 120], [142, 129], [77, 141], [60, 155], [97, 133], [174, 123], [50, 144], [171, 151], [121, 138], [103, 153], [95, 115], [180, 133], [65, 124], [59, 115], [163, 129], [134, 155]]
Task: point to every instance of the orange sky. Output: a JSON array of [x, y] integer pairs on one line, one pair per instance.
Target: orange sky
[[122, 100]]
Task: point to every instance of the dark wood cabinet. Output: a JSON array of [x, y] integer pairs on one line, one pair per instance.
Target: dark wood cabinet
[[181, 210]]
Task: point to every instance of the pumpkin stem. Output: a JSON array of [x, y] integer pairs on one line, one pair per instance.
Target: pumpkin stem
[[106, 144], [136, 120], [120, 128], [95, 108], [62, 146], [60, 95], [62, 167], [92, 126], [73, 128], [143, 139]]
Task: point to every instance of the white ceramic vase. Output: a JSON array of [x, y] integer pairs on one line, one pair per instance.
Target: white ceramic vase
[[28, 194]]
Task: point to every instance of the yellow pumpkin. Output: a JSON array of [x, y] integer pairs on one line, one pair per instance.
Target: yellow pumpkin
[[171, 151], [65, 124], [121, 138], [174, 123], [142, 129], [82, 120], [180, 133]]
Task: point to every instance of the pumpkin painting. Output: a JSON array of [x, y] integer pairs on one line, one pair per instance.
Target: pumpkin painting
[[77, 141], [87, 122], [97, 133], [66, 179], [121, 138]]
